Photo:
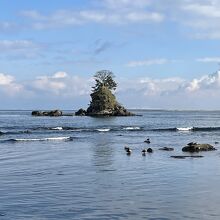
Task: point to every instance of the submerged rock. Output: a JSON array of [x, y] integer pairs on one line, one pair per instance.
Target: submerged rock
[[147, 141], [184, 157], [53, 113], [150, 150], [195, 147], [166, 148]]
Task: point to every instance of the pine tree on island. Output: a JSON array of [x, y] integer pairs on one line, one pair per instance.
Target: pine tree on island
[[103, 101]]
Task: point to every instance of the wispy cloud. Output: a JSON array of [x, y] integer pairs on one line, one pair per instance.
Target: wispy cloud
[[116, 4], [202, 17], [147, 62], [6, 27], [112, 12], [209, 60], [19, 48]]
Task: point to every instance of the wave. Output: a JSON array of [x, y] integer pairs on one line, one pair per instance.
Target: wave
[[206, 129], [189, 129], [40, 139], [14, 132], [57, 128], [185, 129], [131, 128], [103, 129]]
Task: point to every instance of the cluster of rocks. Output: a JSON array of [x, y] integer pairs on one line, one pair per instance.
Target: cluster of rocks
[[191, 147], [195, 147], [53, 113], [118, 110]]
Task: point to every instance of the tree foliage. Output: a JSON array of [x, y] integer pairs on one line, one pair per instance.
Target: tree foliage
[[104, 78]]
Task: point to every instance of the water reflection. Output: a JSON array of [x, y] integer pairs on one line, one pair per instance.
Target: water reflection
[[103, 153]]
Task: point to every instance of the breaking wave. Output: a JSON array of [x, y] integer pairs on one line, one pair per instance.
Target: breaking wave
[[103, 129], [191, 129], [40, 139], [57, 128], [132, 128], [185, 129]]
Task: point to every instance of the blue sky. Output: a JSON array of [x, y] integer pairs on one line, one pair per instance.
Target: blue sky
[[164, 53]]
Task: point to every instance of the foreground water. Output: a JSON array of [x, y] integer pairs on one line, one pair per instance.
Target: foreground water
[[76, 167]]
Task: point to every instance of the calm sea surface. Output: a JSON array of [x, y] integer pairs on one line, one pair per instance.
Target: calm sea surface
[[76, 167]]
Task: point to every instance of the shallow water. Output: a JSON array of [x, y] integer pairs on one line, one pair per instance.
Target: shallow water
[[76, 167]]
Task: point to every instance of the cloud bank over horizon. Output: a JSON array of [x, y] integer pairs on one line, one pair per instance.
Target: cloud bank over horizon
[[65, 90]]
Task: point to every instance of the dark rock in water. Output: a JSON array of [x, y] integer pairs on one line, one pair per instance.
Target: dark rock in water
[[150, 150], [216, 142], [166, 148], [147, 141], [54, 113], [194, 147], [80, 112], [184, 157]]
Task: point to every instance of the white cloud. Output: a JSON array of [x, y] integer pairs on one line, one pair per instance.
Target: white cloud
[[6, 79], [160, 86], [147, 62], [209, 60], [8, 85], [211, 82], [61, 84], [60, 75]]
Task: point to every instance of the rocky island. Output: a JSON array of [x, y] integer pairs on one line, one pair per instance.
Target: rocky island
[[53, 113], [103, 101]]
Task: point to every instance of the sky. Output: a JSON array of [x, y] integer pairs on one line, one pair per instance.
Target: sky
[[165, 54]]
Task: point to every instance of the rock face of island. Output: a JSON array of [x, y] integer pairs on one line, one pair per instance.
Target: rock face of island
[[103, 101], [53, 113], [195, 147]]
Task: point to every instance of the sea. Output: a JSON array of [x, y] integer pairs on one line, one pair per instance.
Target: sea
[[76, 168]]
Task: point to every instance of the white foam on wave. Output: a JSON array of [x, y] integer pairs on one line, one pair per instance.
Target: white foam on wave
[[185, 129], [57, 128], [43, 139], [103, 129], [132, 128]]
